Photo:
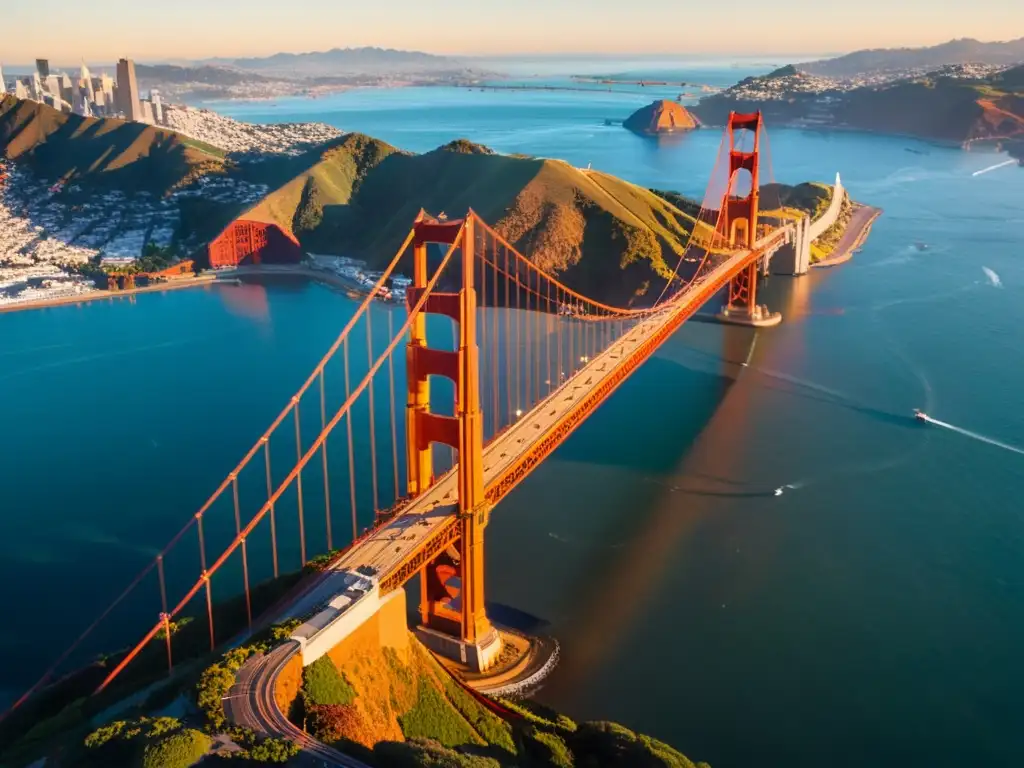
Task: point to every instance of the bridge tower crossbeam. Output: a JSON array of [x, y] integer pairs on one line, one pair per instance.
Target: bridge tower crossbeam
[[464, 634]]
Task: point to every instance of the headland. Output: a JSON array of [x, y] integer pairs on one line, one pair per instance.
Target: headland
[[954, 104], [67, 191]]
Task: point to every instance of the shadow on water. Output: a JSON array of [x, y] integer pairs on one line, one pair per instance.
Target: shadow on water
[[883, 417], [675, 419]]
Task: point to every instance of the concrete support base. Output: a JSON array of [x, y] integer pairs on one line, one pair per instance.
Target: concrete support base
[[760, 317], [478, 656]]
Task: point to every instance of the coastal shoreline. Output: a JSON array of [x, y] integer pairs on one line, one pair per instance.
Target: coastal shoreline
[[100, 294]]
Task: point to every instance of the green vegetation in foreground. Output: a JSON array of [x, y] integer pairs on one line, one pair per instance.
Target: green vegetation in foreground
[[176, 750], [825, 245], [322, 683], [443, 726]]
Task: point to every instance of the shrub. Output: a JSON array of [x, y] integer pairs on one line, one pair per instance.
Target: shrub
[[177, 750], [425, 753], [310, 211], [547, 748], [492, 728], [283, 630], [433, 718], [126, 730], [273, 751], [216, 681], [322, 683], [327, 722], [610, 745]]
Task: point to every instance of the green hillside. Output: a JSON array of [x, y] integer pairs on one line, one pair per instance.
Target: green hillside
[[398, 708], [101, 151], [604, 236]]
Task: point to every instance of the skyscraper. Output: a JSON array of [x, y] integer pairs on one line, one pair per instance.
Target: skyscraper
[[3, 83], [43, 68], [158, 107], [37, 87], [107, 86], [85, 83], [20, 90], [145, 112], [127, 90]]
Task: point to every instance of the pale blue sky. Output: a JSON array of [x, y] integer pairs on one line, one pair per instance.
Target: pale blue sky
[[66, 31]]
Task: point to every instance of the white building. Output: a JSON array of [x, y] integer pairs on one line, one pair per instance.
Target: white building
[[3, 83]]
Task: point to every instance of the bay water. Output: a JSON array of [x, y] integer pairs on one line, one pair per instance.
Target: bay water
[[752, 551]]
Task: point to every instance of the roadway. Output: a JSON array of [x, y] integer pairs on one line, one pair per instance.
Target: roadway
[[251, 704], [426, 517], [430, 518]]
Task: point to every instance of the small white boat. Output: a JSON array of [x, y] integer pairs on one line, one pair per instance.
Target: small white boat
[[921, 416]]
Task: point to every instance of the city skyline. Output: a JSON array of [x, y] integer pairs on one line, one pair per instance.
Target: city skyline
[[487, 28]]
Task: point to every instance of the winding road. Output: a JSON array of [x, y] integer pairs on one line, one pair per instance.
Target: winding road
[[251, 704]]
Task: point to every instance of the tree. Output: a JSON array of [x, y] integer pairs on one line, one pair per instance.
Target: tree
[[178, 750], [310, 212]]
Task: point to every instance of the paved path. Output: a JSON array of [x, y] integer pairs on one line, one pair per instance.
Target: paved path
[[853, 238], [251, 703]]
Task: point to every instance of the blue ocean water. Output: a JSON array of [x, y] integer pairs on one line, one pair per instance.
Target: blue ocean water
[[871, 614]]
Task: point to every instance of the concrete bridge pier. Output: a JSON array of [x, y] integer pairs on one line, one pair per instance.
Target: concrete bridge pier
[[758, 316], [794, 258]]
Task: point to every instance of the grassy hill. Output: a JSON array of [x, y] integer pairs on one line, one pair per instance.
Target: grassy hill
[[396, 707], [101, 151], [603, 236]]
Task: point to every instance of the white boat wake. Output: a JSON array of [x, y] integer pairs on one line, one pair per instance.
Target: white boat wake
[[993, 167], [792, 486], [974, 435], [993, 278]]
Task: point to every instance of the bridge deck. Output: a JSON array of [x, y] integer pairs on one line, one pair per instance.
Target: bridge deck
[[428, 521]]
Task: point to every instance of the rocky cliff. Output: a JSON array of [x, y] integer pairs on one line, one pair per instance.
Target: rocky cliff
[[661, 117]]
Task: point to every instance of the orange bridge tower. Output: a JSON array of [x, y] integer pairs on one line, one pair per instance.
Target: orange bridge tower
[[452, 614], [738, 221]]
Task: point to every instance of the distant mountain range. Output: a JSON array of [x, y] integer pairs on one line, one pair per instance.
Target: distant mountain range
[[880, 60], [346, 62]]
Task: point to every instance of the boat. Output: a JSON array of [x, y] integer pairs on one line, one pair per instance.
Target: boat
[[921, 416]]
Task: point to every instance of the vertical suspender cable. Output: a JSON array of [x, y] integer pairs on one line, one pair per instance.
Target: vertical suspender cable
[[323, 455], [518, 376], [351, 452], [394, 423], [495, 347], [508, 341], [298, 482], [270, 494], [373, 413], [245, 556]]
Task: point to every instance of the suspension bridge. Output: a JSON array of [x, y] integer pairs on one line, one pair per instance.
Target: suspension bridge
[[502, 362]]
